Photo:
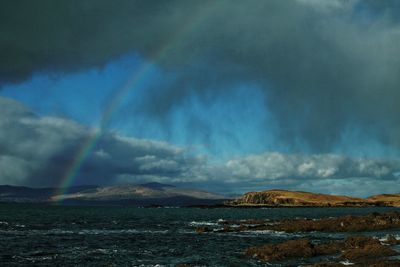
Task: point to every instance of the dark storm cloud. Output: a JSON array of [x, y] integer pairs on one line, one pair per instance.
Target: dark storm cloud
[[72, 35], [326, 66]]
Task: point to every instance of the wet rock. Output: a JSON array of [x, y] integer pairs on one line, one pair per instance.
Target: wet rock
[[367, 252], [385, 263], [327, 264], [300, 248], [364, 249], [394, 263], [358, 249], [330, 248], [290, 249], [349, 223], [371, 222], [391, 240], [203, 229], [354, 242]]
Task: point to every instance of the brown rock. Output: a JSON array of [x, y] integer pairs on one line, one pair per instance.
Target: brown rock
[[201, 230], [290, 249], [391, 240], [349, 223], [329, 248], [358, 249], [368, 252], [387, 263], [360, 242]]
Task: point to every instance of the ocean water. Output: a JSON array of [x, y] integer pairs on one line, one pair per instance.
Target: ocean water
[[41, 235]]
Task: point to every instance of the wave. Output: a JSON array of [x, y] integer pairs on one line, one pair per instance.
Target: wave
[[84, 232], [202, 223], [385, 238], [119, 231], [346, 263]]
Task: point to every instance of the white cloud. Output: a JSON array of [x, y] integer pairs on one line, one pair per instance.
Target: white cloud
[[39, 151], [271, 166]]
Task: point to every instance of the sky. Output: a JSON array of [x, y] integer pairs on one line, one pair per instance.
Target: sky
[[227, 96]]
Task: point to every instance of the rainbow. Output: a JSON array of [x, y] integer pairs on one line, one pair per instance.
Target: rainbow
[[140, 75]]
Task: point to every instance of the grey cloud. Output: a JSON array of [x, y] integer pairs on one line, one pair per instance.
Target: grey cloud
[[73, 35], [360, 187], [273, 166], [325, 66], [38, 151]]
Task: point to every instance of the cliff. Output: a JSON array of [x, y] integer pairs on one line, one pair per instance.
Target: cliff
[[296, 199]]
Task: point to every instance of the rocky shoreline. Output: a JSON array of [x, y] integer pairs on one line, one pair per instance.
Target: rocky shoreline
[[357, 250], [349, 223]]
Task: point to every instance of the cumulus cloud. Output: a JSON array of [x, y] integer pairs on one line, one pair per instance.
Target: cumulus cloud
[[39, 151], [273, 166]]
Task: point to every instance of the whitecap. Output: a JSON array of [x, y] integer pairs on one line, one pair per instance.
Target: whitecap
[[120, 231], [385, 238], [346, 263], [270, 232], [194, 223]]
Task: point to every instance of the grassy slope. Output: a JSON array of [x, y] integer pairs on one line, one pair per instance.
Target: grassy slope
[[296, 198]]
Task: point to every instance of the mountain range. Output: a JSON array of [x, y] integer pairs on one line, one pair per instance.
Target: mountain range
[[158, 194], [130, 194]]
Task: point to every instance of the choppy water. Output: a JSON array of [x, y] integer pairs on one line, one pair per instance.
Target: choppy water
[[39, 235]]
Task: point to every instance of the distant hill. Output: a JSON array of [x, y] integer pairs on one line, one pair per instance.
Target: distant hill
[[278, 197], [159, 194], [10, 193], [130, 194], [156, 186]]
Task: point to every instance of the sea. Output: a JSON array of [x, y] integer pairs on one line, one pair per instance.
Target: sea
[[56, 235]]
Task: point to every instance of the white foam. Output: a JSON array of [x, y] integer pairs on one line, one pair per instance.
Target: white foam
[[84, 232], [156, 265], [384, 239], [120, 231], [265, 232], [346, 263], [194, 223], [60, 231]]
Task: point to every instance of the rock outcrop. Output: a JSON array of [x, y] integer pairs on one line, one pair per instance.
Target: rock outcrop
[[348, 223], [284, 198], [356, 249]]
